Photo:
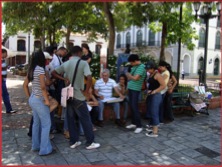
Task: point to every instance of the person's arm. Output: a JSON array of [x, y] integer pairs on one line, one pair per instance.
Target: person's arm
[[174, 80], [26, 87], [48, 81], [96, 92], [43, 88], [130, 77], [88, 86], [56, 75], [94, 102], [118, 92], [162, 83], [122, 89]]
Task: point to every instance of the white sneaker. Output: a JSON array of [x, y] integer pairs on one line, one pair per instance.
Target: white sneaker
[[76, 144], [138, 130], [93, 145], [151, 134], [131, 126], [149, 130]]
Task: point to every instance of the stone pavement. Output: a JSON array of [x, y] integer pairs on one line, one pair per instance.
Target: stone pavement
[[186, 141]]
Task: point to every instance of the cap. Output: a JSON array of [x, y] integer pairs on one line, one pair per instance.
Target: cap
[[47, 55], [150, 65]]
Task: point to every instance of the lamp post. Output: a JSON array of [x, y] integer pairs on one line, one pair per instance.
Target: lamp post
[[207, 15], [28, 47]]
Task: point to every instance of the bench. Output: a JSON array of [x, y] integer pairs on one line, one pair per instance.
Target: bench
[[180, 100]]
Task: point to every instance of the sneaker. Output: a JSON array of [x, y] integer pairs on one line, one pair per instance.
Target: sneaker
[[149, 126], [151, 134], [11, 112], [131, 126], [76, 144], [149, 130], [93, 145], [54, 131], [138, 130]]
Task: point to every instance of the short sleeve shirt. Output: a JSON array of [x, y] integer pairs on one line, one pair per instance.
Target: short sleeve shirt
[[83, 70], [137, 70], [36, 88], [105, 89], [166, 72]]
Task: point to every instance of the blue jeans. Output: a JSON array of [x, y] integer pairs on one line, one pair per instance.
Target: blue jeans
[[153, 108], [161, 113], [5, 97], [116, 107], [41, 125], [134, 107], [77, 110]]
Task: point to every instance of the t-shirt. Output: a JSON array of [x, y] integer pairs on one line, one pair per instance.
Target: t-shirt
[[137, 70], [166, 72], [105, 89], [56, 61], [4, 69], [36, 89], [83, 70]]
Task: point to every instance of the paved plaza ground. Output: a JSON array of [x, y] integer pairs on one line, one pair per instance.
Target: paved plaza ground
[[186, 141]]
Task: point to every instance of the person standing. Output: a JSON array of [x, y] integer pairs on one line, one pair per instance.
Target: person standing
[[136, 77], [5, 94], [39, 102], [183, 73], [77, 106], [87, 54]]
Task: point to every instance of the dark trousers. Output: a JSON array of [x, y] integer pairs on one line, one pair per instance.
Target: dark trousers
[[77, 110], [134, 107], [58, 88], [168, 114], [5, 97], [162, 108], [94, 114]]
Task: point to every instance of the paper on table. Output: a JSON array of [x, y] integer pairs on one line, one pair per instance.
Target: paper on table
[[89, 107], [112, 100]]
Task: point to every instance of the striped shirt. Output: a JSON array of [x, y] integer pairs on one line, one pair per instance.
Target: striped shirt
[[4, 69], [105, 89], [36, 88], [137, 70]]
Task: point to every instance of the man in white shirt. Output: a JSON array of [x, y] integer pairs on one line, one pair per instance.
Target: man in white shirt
[[57, 57], [104, 89]]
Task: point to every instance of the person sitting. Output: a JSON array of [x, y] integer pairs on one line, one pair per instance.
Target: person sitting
[[104, 89]]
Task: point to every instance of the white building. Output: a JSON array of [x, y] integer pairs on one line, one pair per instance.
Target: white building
[[190, 61], [18, 44]]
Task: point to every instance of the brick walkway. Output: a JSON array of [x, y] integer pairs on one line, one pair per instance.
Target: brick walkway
[[186, 141]]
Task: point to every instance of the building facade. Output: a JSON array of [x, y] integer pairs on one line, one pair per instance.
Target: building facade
[[19, 46], [143, 40]]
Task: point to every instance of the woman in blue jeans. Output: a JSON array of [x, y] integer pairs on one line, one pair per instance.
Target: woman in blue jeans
[[154, 98], [39, 102]]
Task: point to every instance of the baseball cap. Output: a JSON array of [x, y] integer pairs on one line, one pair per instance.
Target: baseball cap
[[47, 55]]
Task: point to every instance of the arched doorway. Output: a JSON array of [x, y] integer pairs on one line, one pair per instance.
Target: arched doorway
[[216, 66], [186, 64]]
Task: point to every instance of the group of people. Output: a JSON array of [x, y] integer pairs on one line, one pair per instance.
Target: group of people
[[52, 70]]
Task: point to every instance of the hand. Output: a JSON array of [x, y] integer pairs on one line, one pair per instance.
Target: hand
[[170, 91], [67, 82], [86, 94], [101, 97], [149, 92], [46, 102], [153, 92], [122, 97]]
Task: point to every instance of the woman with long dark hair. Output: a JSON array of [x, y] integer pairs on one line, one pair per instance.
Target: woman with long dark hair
[[39, 102], [87, 54]]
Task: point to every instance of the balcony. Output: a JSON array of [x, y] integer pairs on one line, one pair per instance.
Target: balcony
[[140, 44]]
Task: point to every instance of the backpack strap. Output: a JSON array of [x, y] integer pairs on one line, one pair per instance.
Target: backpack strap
[[75, 72]]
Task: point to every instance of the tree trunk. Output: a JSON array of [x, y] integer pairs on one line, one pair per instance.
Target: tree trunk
[[109, 17], [67, 37], [163, 41]]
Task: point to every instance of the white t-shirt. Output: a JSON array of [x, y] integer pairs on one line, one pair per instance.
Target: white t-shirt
[[166, 72], [56, 61], [105, 89]]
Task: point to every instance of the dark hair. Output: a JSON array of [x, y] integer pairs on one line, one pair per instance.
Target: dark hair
[[49, 49], [168, 67], [66, 58], [62, 48], [151, 65], [124, 76], [38, 59], [163, 63], [133, 57], [85, 45], [75, 49], [4, 51]]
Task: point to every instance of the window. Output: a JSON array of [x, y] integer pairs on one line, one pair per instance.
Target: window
[[21, 45], [118, 41], [218, 21], [139, 38], [151, 38], [202, 12], [37, 45], [202, 38], [98, 47], [128, 38], [217, 43], [216, 66]]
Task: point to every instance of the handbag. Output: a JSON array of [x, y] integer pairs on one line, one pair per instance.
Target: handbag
[[53, 104], [68, 92]]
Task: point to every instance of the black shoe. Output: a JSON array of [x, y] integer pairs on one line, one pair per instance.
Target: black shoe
[[29, 134], [53, 152], [118, 122], [99, 123]]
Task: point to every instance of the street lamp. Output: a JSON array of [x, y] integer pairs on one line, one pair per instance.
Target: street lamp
[[207, 15]]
